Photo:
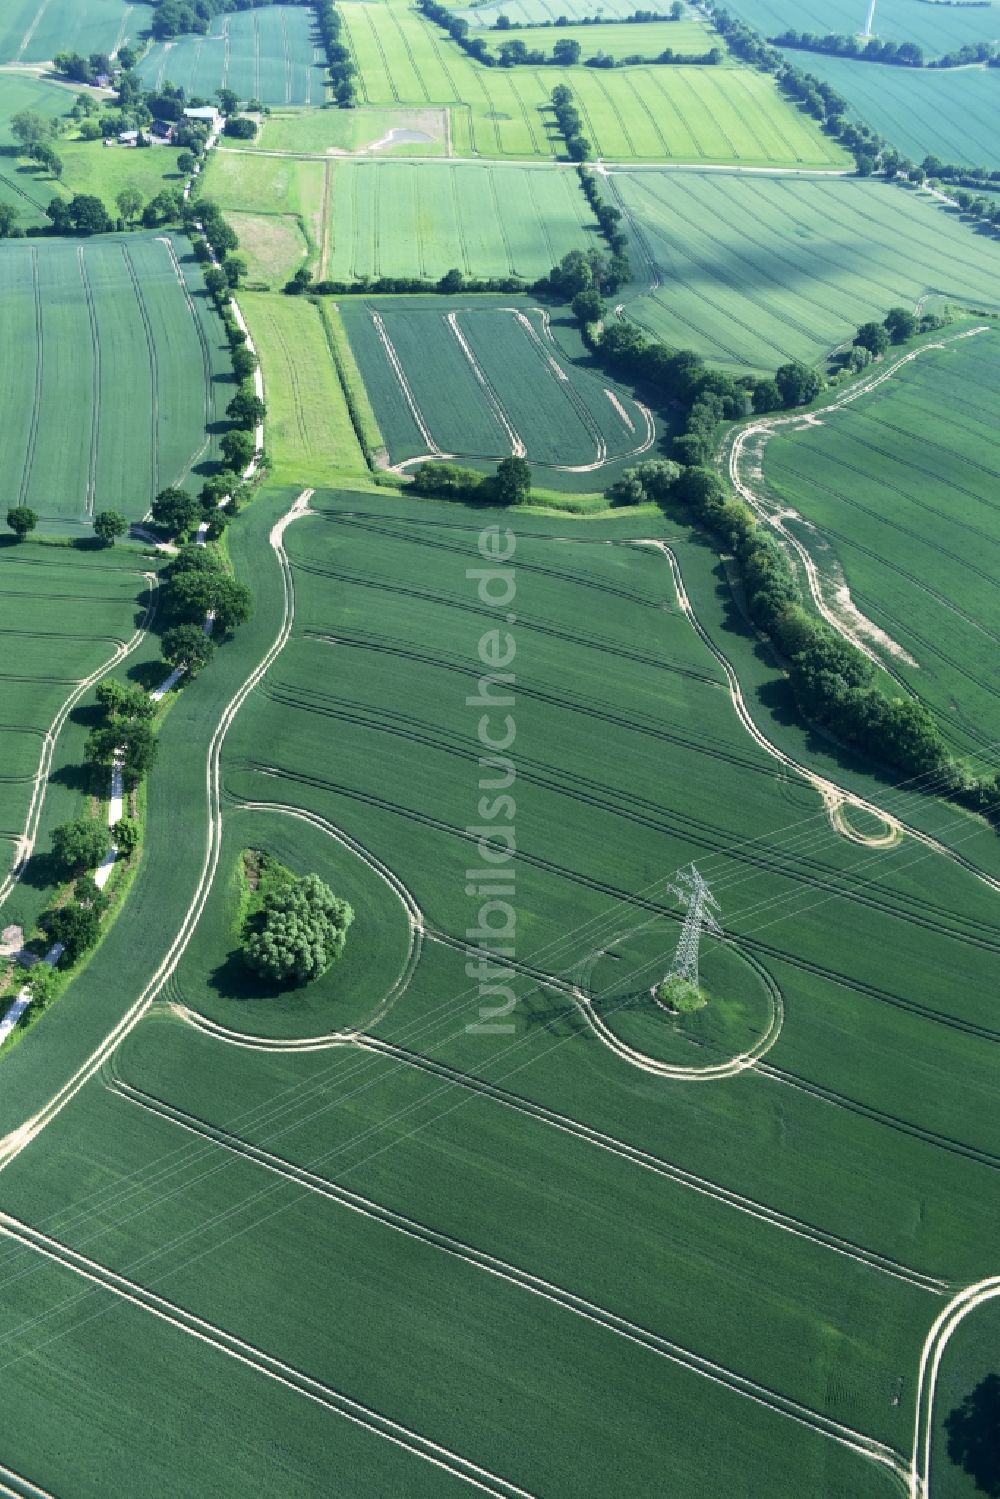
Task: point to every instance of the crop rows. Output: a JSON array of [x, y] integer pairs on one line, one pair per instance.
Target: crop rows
[[484, 382], [104, 324], [675, 114], [937, 28], [755, 271], [267, 54], [950, 113], [904, 482], [395, 218], [35, 30]]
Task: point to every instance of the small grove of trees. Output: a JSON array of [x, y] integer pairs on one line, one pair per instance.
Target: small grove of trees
[[240, 129], [510, 485], [299, 929], [125, 734], [646, 483], [22, 521]]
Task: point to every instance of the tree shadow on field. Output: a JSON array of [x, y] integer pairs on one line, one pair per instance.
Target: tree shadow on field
[[232, 979], [41, 872], [558, 1016], [148, 674], [88, 715], [974, 1435], [79, 778]]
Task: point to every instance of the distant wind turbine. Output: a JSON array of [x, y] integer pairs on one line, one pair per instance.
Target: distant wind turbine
[[871, 16]]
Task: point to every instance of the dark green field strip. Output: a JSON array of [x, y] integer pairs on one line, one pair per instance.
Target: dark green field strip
[[950, 113], [552, 1058], [502, 1355], [255, 783], [350, 1144], [120, 1385], [55, 1046], [643, 811]]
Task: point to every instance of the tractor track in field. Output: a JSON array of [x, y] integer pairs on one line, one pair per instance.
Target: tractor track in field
[[154, 372], [835, 797], [26, 839], [517, 447], [29, 451], [103, 1278], [638, 901], [644, 812], [511, 1274], [760, 432], [17, 1140], [95, 411], [452, 1077]]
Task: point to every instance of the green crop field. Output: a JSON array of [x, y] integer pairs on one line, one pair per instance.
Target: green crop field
[[482, 384], [268, 54], [64, 615], [642, 40], [545, 11], [712, 114], [117, 381], [902, 487], [35, 30], [404, 219], [752, 271], [934, 26], [950, 114], [575, 1237]]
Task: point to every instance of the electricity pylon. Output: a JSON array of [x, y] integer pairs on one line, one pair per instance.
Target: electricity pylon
[[692, 892]]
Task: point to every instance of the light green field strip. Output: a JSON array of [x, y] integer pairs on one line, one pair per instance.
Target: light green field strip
[[663, 113], [645, 39], [950, 114], [405, 219], [755, 270], [309, 434], [103, 322], [268, 54]]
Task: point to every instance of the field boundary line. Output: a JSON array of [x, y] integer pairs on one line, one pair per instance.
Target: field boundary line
[[943, 1328], [296, 1380], [17, 1140]]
